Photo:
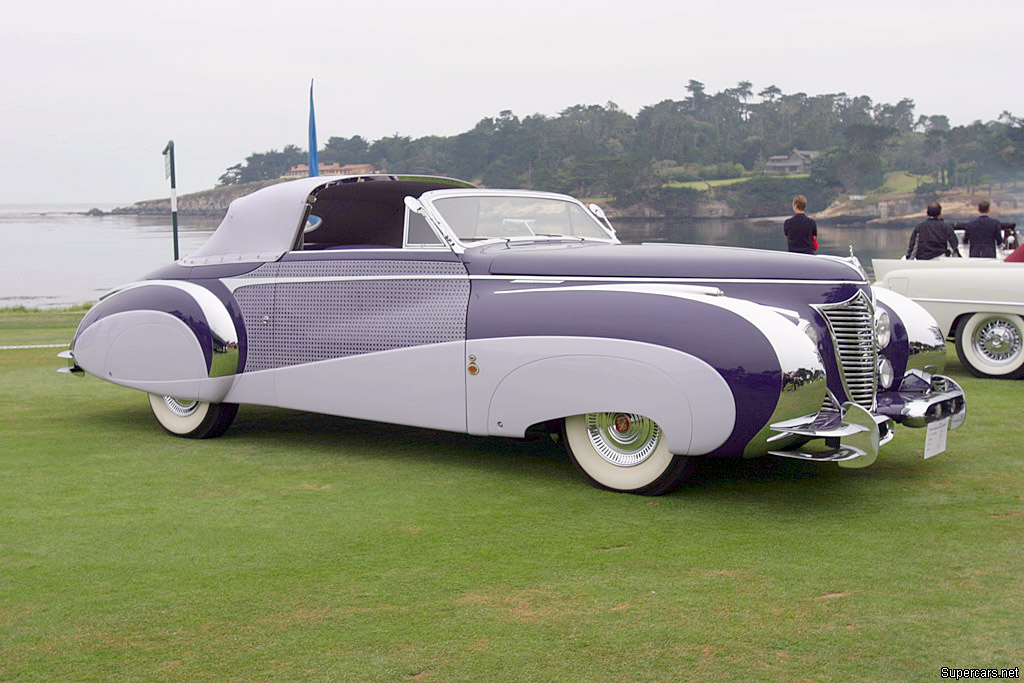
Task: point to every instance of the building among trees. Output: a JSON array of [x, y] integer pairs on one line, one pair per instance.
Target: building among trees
[[302, 170], [797, 161]]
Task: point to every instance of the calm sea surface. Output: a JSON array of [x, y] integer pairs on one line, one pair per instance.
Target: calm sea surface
[[54, 255]]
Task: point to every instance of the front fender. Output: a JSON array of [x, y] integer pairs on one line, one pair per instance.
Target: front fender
[[916, 335], [688, 398]]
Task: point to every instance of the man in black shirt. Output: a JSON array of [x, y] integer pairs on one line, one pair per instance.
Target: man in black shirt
[[931, 237], [983, 233], [801, 231]]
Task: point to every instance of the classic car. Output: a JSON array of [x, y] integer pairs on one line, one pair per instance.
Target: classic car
[[977, 302], [428, 302]]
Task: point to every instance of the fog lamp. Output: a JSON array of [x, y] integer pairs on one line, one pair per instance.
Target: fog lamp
[[885, 373]]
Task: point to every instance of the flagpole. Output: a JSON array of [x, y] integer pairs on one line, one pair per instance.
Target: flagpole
[[314, 159], [169, 172]]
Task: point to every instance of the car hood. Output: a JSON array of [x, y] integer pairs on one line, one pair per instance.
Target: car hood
[[655, 260]]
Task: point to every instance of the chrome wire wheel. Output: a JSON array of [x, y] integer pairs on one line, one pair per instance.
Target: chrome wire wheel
[[992, 345], [623, 439], [998, 340], [624, 452]]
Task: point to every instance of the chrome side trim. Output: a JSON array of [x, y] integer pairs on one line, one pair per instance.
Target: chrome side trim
[[235, 283], [968, 301]]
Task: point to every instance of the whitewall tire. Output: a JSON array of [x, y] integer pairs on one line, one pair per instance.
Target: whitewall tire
[[192, 419], [992, 345], [623, 452]]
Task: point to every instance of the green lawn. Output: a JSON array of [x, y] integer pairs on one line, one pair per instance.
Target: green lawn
[[703, 185], [306, 547]]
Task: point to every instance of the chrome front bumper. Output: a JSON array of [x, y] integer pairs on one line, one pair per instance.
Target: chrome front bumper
[[852, 435], [923, 398]]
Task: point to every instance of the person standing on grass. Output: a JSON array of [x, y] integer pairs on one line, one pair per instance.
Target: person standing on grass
[[801, 232], [933, 237], [983, 233]]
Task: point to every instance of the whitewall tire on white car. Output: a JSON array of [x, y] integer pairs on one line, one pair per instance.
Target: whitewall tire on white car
[[992, 345]]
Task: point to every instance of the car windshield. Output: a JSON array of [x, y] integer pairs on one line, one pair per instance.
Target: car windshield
[[506, 217]]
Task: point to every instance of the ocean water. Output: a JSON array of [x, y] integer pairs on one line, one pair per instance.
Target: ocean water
[[54, 255]]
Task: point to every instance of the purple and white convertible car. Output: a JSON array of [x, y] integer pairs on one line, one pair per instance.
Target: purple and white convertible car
[[427, 302]]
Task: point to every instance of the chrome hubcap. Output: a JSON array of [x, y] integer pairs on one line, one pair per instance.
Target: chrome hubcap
[[998, 341], [623, 439], [181, 408]]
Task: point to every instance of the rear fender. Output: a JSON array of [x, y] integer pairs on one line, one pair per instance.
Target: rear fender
[[173, 338]]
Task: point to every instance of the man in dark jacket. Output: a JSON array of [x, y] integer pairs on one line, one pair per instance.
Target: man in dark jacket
[[932, 237], [801, 232], [983, 233]]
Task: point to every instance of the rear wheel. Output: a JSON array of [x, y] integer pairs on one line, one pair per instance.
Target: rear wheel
[[992, 345], [192, 419], [624, 452]]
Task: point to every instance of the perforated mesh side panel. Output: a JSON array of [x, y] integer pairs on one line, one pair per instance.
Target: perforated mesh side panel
[[359, 268], [257, 301], [314, 321], [323, 320], [266, 270]]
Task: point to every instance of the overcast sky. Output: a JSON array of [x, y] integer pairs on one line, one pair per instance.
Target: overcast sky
[[91, 91]]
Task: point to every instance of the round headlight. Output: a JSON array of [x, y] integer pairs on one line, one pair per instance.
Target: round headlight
[[885, 374], [883, 329]]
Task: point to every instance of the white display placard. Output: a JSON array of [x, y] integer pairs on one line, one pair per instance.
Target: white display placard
[[935, 439]]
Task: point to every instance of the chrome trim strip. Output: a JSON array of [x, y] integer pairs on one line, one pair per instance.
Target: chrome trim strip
[[673, 291], [234, 283], [968, 301], [664, 280]]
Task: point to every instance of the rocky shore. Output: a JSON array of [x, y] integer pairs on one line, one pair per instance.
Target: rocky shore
[[956, 206], [209, 203], [1007, 203]]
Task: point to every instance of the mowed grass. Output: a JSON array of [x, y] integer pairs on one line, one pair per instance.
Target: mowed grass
[[300, 546]]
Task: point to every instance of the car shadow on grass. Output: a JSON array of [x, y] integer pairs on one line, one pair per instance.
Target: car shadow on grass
[[536, 456], [270, 431]]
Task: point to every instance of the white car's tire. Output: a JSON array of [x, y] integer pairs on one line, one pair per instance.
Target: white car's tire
[[623, 452], [992, 345], [192, 419]]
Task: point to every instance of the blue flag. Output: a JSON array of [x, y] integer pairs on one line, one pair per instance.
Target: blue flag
[[314, 162]]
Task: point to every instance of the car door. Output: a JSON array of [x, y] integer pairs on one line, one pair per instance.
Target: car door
[[374, 332]]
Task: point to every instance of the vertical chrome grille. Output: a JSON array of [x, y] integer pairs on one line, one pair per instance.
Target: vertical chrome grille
[[851, 324]]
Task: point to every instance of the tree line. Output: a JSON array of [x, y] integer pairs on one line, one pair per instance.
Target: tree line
[[602, 151]]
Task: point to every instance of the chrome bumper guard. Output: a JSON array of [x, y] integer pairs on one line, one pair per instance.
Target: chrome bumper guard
[[72, 368], [923, 398], [853, 437]]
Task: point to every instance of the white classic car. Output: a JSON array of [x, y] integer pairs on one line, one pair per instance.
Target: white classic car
[[978, 303]]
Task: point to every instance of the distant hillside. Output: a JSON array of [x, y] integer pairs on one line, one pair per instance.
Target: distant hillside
[[206, 203]]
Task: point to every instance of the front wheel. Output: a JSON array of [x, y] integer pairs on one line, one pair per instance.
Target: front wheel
[[192, 419], [624, 452], [992, 345]]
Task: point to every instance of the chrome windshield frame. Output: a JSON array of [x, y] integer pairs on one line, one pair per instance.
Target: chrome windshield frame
[[457, 245]]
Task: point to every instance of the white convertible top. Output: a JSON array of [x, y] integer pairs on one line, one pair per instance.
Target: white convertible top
[[262, 226], [259, 227]]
